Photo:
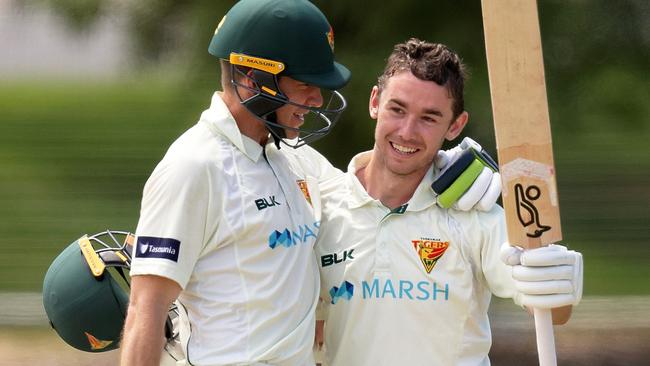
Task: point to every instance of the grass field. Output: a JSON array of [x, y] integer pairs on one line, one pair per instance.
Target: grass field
[[512, 347], [74, 159], [608, 331]]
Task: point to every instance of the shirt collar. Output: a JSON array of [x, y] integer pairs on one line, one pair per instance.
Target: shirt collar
[[423, 197], [358, 194], [220, 121]]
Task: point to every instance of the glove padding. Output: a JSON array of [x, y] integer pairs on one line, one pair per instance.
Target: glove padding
[[546, 277], [486, 188]]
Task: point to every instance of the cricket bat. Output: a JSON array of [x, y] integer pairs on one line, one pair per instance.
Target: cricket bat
[[523, 136]]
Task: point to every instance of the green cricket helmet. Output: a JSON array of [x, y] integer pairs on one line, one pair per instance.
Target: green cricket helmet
[[267, 39], [84, 301]]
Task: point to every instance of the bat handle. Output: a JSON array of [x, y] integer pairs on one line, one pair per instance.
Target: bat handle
[[545, 338]]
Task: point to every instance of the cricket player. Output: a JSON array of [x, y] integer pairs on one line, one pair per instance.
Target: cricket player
[[230, 215], [226, 225], [404, 281]]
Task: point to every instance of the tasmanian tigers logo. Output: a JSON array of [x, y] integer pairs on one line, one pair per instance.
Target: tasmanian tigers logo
[[429, 251]]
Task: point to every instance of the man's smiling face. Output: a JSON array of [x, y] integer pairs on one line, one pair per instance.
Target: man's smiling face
[[414, 117]]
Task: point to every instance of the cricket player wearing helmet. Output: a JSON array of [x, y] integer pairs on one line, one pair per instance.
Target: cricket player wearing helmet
[[230, 215], [406, 281]]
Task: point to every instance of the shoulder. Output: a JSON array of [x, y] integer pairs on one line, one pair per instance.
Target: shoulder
[[310, 162], [304, 154], [336, 184], [337, 201], [197, 144], [475, 223], [304, 151], [486, 217], [191, 158]]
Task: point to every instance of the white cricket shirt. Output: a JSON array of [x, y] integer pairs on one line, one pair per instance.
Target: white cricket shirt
[[407, 287], [231, 222]]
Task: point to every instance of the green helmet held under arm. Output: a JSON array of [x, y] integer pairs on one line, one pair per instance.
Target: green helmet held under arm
[[84, 301]]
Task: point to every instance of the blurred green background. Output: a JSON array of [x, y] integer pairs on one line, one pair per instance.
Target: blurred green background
[[75, 151]]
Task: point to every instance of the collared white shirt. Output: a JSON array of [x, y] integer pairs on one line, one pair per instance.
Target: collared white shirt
[[234, 224], [409, 286]]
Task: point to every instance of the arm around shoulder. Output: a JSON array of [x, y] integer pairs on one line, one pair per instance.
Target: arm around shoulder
[[143, 337]]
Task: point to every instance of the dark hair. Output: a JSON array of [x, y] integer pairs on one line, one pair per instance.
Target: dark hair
[[429, 62]]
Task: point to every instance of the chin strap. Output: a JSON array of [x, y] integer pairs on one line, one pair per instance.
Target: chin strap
[[267, 100]]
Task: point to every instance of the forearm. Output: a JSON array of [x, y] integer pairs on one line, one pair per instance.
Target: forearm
[[143, 339], [144, 335]]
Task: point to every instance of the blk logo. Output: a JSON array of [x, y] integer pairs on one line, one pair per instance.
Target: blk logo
[[263, 203], [335, 258], [345, 291]]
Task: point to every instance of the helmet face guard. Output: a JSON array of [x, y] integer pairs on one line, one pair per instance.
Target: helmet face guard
[[291, 37], [267, 98], [86, 291]]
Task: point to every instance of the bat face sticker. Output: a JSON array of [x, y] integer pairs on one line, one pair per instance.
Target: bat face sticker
[[527, 212]]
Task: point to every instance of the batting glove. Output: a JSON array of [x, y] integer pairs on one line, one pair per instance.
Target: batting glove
[[546, 277], [466, 178]]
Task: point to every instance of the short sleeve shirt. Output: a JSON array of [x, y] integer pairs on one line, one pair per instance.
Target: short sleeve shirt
[[408, 286], [234, 224]]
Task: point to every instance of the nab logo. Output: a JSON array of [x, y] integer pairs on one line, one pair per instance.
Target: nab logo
[[263, 203], [345, 291], [329, 259], [288, 238], [283, 238]]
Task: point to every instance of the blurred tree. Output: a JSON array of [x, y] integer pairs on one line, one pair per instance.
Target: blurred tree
[[596, 52], [79, 14], [597, 55]]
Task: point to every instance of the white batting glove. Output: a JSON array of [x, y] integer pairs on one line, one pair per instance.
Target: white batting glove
[[486, 189], [546, 277]]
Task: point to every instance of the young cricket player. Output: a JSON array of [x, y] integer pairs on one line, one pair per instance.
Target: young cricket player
[[403, 280]]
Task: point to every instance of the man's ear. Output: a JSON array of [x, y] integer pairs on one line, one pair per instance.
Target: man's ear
[[456, 127], [373, 105], [244, 83], [248, 80]]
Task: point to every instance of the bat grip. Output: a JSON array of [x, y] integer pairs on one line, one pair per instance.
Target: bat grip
[[545, 338]]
